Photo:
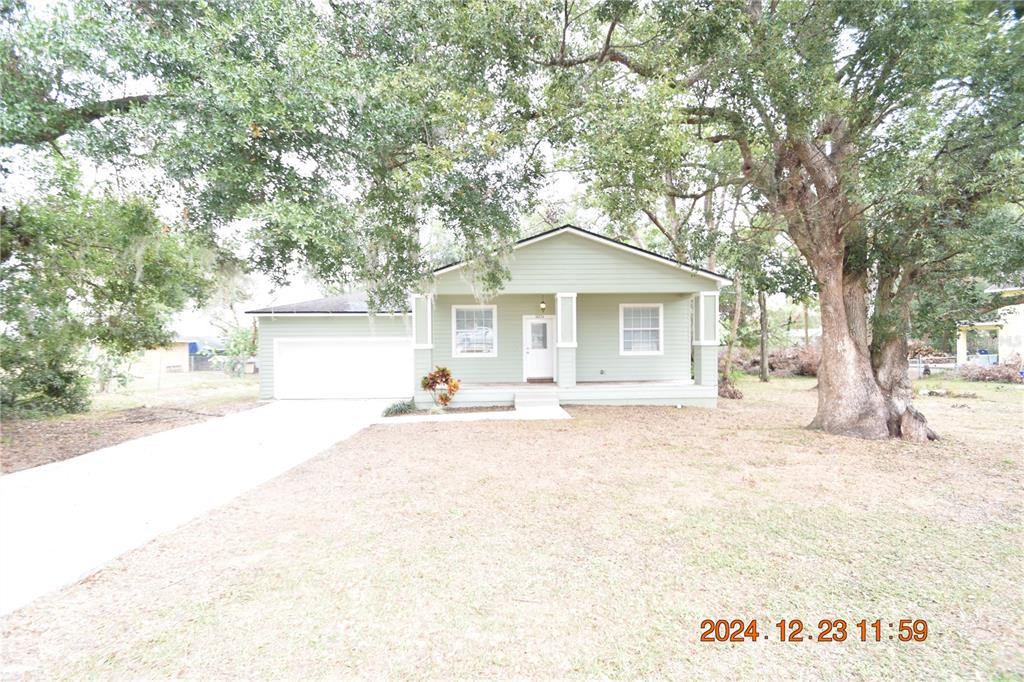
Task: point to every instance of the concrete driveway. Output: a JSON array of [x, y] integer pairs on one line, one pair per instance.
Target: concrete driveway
[[62, 521]]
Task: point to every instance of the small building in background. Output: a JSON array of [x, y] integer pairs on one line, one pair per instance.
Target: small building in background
[[183, 354], [170, 359], [997, 341]]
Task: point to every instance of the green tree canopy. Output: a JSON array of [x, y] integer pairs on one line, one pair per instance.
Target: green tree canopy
[[78, 272], [337, 130]]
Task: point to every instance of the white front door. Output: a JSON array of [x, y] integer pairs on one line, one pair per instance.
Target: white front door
[[539, 347]]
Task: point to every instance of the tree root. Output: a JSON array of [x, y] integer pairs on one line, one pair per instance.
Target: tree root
[[911, 425]]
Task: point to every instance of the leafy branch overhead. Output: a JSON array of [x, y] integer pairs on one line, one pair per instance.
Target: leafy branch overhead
[[340, 132]]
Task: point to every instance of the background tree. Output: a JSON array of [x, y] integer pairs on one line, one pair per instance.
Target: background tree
[[939, 308], [78, 271], [767, 265], [657, 182]]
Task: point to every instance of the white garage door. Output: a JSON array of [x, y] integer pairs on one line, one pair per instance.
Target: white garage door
[[343, 368]]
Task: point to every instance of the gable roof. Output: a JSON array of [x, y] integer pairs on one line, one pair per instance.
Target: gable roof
[[345, 304], [608, 241]]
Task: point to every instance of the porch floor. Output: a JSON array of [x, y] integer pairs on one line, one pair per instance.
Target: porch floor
[[549, 384], [664, 392]]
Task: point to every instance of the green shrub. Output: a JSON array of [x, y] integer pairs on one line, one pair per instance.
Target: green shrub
[[41, 381], [401, 407], [239, 348]]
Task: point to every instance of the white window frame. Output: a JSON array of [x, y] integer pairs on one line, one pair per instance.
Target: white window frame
[[661, 328], [494, 318]]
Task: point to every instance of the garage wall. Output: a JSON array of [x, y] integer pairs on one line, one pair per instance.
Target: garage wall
[[285, 326]]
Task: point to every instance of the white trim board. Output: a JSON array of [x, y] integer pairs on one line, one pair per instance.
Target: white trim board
[[700, 313], [406, 314], [429, 345], [561, 342]]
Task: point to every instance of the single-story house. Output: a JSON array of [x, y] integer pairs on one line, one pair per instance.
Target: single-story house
[[997, 341], [582, 319]]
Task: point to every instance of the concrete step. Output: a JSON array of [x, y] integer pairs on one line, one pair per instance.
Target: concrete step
[[536, 398]]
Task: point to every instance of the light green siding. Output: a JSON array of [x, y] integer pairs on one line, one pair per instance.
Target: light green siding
[[597, 353], [421, 367], [569, 262], [597, 321], [300, 326], [508, 364]]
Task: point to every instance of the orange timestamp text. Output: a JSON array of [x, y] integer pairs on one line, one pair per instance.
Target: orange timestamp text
[[828, 630]]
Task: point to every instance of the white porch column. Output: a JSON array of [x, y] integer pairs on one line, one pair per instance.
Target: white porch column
[[565, 320], [422, 306], [705, 339], [961, 346]]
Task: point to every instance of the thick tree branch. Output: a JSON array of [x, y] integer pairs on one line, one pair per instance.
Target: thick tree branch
[[605, 55], [63, 122]]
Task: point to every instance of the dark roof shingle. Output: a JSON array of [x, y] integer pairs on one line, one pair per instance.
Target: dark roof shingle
[[352, 304]]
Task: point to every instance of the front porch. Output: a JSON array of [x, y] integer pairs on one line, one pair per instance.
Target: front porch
[[656, 348]]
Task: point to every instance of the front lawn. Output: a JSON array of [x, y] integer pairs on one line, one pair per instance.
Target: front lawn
[[585, 548]]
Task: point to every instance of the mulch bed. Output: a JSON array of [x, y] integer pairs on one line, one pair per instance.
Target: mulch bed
[[461, 410], [27, 443]]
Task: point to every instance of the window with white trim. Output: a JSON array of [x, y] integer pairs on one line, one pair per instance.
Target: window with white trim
[[640, 329], [474, 331]]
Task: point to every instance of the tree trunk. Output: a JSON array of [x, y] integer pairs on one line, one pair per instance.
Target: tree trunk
[[824, 222], [850, 402], [735, 328], [763, 304], [891, 366]]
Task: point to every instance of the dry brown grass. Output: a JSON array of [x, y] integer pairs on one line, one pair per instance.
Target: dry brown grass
[[140, 409], [575, 549]]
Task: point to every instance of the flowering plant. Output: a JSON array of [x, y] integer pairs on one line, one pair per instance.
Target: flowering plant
[[440, 385]]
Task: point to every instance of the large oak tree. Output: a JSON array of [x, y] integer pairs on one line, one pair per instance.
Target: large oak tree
[[832, 109]]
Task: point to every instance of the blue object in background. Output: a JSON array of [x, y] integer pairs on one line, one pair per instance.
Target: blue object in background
[[193, 347]]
